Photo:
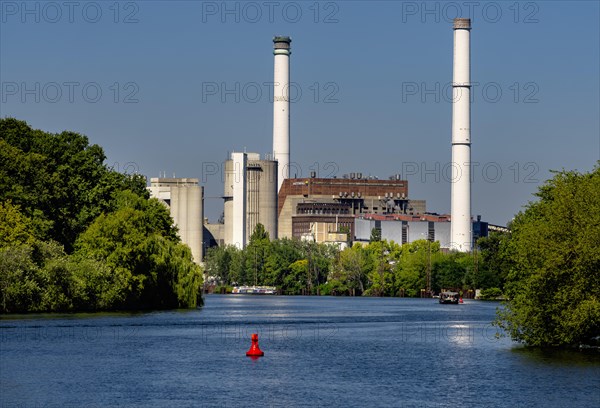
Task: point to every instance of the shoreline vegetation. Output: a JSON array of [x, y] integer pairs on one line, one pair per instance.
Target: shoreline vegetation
[[378, 268], [77, 236]]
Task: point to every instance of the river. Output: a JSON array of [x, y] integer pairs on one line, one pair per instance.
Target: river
[[319, 351]]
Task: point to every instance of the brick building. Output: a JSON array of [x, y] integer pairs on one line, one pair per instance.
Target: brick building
[[337, 201]]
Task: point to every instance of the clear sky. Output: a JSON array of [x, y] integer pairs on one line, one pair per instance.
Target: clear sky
[[174, 86]]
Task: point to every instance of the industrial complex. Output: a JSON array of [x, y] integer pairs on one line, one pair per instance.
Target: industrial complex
[[303, 201], [336, 210]]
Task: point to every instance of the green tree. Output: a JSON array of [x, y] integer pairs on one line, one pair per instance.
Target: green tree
[[96, 286], [349, 273], [450, 271], [218, 263], [375, 235], [410, 272], [383, 255], [554, 280], [15, 228], [257, 252], [60, 289], [150, 268], [494, 264], [57, 195], [282, 253], [58, 180], [20, 286]]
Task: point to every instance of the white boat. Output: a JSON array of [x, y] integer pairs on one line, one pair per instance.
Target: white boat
[[254, 290], [449, 298]]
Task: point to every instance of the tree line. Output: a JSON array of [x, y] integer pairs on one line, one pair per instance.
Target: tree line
[[377, 268], [76, 235]]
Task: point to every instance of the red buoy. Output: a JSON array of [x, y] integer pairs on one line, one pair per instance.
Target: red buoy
[[255, 351], [460, 300]]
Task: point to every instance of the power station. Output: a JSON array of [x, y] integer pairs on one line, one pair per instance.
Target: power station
[[260, 190]]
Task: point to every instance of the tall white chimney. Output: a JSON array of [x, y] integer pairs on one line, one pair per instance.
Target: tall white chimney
[[461, 227], [281, 107], [239, 213]]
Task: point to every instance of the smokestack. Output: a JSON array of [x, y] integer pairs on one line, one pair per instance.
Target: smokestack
[[281, 107], [461, 227], [240, 202]]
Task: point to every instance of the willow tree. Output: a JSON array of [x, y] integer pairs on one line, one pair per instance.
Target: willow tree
[[150, 267]]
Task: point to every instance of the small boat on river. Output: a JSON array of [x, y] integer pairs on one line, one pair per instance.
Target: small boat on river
[[449, 298], [254, 290]]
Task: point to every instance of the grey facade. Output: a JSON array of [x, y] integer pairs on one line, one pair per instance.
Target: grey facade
[[260, 178], [406, 231], [185, 199]]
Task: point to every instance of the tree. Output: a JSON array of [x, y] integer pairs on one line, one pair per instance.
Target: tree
[[282, 253], [38, 277], [450, 271], [375, 235], [320, 259], [411, 270], [382, 257], [59, 181], [218, 263], [15, 228], [296, 281], [351, 269], [494, 263], [257, 252], [57, 196], [150, 267], [554, 280], [20, 286], [259, 234]]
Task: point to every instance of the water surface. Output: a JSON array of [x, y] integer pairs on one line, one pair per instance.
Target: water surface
[[319, 351]]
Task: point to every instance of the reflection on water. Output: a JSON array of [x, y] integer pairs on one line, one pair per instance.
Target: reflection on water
[[318, 351], [580, 357]]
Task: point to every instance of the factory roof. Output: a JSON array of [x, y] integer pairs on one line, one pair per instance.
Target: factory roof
[[350, 188]]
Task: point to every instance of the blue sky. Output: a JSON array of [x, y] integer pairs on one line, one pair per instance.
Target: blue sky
[[174, 86]]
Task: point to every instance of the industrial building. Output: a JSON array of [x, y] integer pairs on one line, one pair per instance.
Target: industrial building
[[331, 218], [404, 229], [327, 233], [337, 201], [250, 197], [213, 234], [185, 199]]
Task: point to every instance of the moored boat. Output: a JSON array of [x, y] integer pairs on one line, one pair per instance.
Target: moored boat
[[254, 290]]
